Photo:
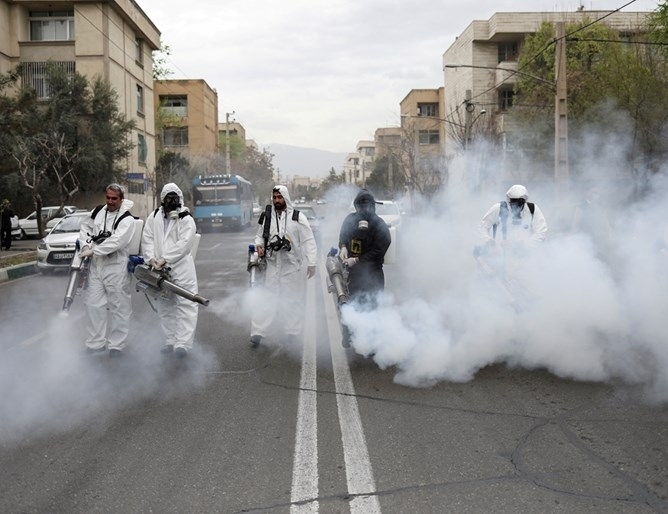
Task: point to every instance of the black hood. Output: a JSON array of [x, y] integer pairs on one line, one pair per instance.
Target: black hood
[[365, 202]]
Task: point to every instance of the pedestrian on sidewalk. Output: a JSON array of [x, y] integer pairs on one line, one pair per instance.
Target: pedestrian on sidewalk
[[6, 225]]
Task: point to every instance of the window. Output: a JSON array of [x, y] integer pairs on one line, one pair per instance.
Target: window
[[175, 136], [140, 99], [174, 105], [142, 149], [51, 25], [427, 109], [139, 51], [506, 97], [508, 51], [428, 137], [35, 75]]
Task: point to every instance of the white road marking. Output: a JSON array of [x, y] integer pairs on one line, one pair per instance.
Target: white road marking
[[305, 462], [359, 474]]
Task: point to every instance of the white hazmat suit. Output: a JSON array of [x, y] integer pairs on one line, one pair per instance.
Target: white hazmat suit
[[171, 238], [109, 280], [285, 276], [520, 226]]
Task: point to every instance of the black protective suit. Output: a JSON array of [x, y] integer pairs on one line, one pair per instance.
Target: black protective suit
[[368, 245]]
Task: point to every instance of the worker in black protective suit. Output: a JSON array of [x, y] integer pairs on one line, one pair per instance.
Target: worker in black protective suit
[[363, 241]]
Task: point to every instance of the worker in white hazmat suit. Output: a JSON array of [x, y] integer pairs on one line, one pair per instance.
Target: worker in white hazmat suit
[[514, 221], [290, 252], [167, 241], [105, 240]]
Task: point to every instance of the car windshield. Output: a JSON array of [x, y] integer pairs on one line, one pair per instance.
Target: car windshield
[[69, 224]]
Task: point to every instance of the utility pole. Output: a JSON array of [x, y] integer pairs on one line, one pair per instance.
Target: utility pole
[[227, 141], [468, 118], [560, 107]]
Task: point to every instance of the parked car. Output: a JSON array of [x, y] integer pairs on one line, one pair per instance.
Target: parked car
[[389, 212], [28, 224], [257, 210], [313, 220], [56, 250]]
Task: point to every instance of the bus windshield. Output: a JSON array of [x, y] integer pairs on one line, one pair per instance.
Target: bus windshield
[[216, 195]]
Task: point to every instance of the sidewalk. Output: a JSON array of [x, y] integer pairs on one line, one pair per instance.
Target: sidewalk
[[16, 263]]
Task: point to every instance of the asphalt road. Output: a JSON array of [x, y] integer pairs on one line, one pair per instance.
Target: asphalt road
[[308, 429]]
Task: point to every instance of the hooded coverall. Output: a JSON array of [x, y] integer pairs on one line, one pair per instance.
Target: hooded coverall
[[108, 280], [285, 276], [173, 240]]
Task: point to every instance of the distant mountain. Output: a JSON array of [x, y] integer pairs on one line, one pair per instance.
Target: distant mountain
[[307, 162]]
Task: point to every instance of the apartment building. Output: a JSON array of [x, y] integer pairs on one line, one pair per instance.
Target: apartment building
[[187, 118], [478, 88], [424, 128], [113, 39], [358, 165]]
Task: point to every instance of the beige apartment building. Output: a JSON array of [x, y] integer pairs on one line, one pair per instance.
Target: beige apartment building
[[358, 165], [187, 118], [113, 39], [478, 91]]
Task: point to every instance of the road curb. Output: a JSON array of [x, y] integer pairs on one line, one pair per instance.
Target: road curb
[[17, 271]]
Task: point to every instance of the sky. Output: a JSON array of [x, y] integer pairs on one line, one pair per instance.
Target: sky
[[324, 75]]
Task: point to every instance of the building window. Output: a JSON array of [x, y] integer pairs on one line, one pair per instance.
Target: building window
[[428, 137], [139, 51], [142, 149], [140, 99], [175, 136], [506, 97], [508, 51], [427, 109], [35, 75], [174, 105], [51, 25]]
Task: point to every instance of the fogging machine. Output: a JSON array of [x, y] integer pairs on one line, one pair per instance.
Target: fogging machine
[[79, 269], [338, 276], [157, 283]]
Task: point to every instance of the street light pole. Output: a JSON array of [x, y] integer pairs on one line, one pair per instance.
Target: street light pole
[[560, 107]]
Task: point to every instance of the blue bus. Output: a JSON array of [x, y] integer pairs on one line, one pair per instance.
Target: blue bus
[[222, 201]]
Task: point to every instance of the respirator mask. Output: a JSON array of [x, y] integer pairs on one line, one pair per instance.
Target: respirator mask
[[516, 206], [170, 205]]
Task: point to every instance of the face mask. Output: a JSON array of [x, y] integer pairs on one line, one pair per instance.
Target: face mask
[[516, 205], [170, 203]]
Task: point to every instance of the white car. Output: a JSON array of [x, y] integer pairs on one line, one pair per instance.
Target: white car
[[28, 225], [389, 212], [57, 249], [313, 221]]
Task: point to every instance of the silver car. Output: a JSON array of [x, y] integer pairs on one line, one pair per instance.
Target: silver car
[[57, 249], [28, 224]]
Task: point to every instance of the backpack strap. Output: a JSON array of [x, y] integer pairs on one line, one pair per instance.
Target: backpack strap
[[184, 214], [265, 218], [95, 211], [532, 207], [295, 215], [503, 216], [120, 218]]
